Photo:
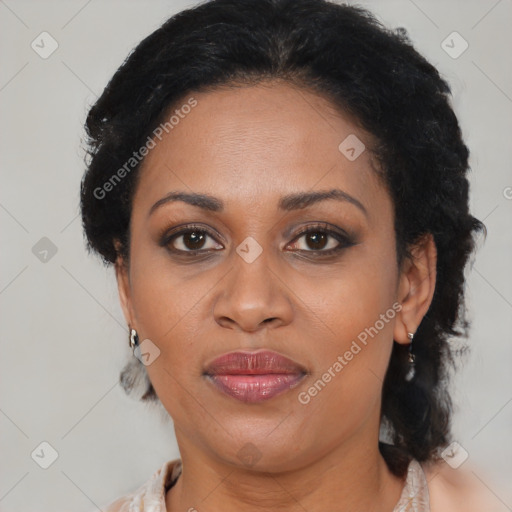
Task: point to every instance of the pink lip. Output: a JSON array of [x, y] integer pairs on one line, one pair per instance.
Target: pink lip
[[254, 376]]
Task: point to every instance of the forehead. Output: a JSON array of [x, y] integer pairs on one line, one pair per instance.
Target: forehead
[[254, 144]]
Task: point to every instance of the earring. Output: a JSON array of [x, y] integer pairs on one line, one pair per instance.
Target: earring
[[134, 338], [412, 357]]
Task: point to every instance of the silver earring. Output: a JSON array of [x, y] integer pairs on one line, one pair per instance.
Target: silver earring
[[412, 357], [134, 338], [134, 378]]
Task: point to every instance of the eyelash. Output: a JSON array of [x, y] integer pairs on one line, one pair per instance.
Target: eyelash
[[344, 240]]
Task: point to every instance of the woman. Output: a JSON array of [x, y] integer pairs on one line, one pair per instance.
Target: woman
[[281, 187]]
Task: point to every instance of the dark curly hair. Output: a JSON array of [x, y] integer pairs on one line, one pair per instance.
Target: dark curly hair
[[372, 74]]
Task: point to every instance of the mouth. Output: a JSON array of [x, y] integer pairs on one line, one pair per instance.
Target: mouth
[[253, 377]]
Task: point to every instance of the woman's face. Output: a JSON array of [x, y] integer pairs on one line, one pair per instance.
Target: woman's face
[[328, 300]]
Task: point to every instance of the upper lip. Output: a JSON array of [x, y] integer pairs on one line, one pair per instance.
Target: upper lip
[[253, 363]]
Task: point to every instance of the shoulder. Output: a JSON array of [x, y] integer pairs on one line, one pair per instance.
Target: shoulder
[[120, 505], [150, 492], [458, 490]]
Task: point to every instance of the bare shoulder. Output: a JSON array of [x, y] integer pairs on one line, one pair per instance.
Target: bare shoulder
[[459, 490]]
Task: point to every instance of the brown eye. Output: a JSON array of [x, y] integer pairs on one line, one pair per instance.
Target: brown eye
[[191, 240], [321, 240], [316, 240]]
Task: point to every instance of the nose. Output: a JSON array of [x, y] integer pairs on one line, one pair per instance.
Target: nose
[[253, 297]]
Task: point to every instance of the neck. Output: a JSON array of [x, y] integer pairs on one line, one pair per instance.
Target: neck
[[349, 478]]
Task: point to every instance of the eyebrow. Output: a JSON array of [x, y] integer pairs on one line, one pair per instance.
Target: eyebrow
[[297, 201]]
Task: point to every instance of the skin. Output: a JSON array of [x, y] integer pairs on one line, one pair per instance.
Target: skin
[[248, 147]]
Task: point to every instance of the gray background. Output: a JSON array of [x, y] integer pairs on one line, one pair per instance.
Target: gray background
[[63, 335]]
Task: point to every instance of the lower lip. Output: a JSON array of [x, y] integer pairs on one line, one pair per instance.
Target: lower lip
[[255, 388]]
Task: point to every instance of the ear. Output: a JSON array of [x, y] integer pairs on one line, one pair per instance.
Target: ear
[[416, 286], [124, 287]]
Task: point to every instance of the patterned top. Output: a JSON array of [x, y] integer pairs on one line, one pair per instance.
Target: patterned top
[[150, 497]]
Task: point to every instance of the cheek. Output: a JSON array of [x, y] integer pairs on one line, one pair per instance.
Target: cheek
[[354, 297], [360, 311], [169, 311], [162, 295]]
